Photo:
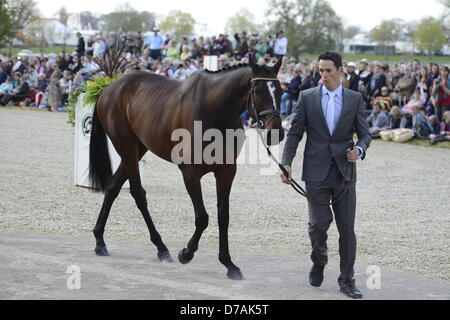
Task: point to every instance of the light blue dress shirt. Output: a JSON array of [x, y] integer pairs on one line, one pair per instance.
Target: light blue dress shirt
[[339, 100]]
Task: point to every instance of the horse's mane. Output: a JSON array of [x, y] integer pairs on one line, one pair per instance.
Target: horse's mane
[[229, 68], [235, 67]]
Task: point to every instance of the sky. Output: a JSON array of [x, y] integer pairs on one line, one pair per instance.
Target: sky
[[365, 13]]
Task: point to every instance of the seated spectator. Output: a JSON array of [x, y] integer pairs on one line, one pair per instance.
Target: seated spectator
[[444, 132], [434, 123], [394, 118], [377, 121], [415, 101], [405, 87], [65, 85], [385, 99], [420, 125], [173, 51], [3, 74], [186, 53], [6, 87], [17, 94]]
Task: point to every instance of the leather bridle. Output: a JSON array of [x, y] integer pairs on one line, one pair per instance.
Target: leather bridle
[[273, 112]]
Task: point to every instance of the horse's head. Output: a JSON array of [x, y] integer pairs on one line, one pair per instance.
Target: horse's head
[[265, 99]]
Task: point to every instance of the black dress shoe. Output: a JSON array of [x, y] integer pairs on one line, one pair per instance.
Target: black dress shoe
[[350, 289], [316, 275]]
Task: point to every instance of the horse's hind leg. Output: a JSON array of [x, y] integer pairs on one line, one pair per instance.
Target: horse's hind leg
[[111, 193], [193, 186], [138, 193], [224, 180]]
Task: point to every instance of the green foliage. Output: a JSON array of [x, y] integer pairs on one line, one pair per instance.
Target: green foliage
[[95, 87], [178, 23], [128, 18], [385, 34], [92, 91], [242, 21], [311, 26], [5, 25], [429, 36]]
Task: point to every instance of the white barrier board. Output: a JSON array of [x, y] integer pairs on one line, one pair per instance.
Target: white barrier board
[[83, 126]]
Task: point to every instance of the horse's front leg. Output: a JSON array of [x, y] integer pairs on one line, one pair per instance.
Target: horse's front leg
[[224, 180]]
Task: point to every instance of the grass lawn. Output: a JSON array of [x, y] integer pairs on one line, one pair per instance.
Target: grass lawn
[[349, 57], [441, 60]]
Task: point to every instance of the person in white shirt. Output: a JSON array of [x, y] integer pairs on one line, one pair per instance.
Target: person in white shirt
[[281, 43], [99, 47]]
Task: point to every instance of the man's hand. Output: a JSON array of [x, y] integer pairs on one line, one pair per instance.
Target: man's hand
[[283, 177], [353, 155]]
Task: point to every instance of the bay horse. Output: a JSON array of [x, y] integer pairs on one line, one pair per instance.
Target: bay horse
[[140, 110]]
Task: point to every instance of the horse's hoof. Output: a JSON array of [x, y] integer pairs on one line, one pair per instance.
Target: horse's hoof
[[235, 274], [164, 256], [185, 257], [102, 251]]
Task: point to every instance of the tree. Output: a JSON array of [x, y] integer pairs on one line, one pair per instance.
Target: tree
[[385, 34], [310, 25], [242, 21], [125, 17], [429, 36], [21, 13], [5, 25], [178, 23], [351, 31], [88, 21], [63, 17]]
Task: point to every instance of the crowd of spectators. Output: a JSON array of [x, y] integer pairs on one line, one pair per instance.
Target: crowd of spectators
[[403, 95]]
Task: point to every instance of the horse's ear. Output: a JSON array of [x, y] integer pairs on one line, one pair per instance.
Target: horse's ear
[[277, 66], [253, 64]]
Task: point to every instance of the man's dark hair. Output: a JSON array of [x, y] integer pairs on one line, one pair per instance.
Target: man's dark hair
[[333, 56]]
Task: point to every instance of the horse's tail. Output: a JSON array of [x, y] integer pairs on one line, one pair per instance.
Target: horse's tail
[[100, 171]]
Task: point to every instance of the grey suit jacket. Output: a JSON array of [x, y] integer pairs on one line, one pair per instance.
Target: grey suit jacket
[[321, 147]]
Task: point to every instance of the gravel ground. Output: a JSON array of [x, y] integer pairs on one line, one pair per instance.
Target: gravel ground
[[402, 219]]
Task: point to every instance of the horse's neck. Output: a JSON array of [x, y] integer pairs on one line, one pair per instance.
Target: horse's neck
[[228, 95]]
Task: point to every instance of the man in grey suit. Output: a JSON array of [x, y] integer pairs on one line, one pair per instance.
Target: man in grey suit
[[330, 115]]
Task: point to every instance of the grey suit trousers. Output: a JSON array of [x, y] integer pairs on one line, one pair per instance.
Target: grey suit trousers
[[320, 218]]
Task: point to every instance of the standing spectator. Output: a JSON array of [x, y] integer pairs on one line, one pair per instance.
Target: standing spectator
[[280, 46], [138, 44], [99, 47], [155, 43], [377, 82], [441, 93], [260, 48], [89, 50], [122, 38], [352, 77], [291, 94], [81, 46], [241, 48], [54, 92]]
